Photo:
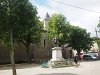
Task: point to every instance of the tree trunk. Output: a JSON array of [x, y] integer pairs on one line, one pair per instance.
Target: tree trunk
[[28, 53], [12, 54], [11, 40], [70, 52], [63, 52], [12, 62]]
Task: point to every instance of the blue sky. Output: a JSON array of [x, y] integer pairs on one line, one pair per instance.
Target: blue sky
[[40, 2], [85, 19]]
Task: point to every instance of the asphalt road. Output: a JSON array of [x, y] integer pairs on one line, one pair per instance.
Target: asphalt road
[[85, 68]]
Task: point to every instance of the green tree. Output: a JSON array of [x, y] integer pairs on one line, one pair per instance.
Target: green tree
[[98, 42], [96, 39], [79, 39], [30, 26], [33, 37], [18, 22], [65, 34], [58, 28]]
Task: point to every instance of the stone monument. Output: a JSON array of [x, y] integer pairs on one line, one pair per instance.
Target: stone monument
[[57, 60], [56, 54]]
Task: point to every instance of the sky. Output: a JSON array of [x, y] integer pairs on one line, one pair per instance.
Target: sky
[[76, 16]]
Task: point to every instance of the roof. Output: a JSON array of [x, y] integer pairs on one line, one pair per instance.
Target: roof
[[47, 16]]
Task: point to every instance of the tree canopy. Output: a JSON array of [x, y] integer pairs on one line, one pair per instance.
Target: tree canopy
[[76, 37], [58, 27], [18, 23], [20, 16], [80, 39]]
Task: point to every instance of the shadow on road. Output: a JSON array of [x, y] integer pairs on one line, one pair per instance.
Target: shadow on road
[[58, 74], [18, 66]]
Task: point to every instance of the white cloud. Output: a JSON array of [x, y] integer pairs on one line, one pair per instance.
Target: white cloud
[[83, 18]]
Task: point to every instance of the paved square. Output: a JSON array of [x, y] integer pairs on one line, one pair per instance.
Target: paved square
[[85, 68]]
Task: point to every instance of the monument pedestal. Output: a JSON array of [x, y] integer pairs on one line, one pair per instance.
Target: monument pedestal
[[57, 59]]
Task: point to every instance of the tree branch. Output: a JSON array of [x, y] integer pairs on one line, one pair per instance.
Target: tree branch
[[24, 43]]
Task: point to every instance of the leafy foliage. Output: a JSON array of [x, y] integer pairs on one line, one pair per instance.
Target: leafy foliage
[[80, 39], [97, 40], [74, 36], [20, 16], [19, 22], [58, 27]]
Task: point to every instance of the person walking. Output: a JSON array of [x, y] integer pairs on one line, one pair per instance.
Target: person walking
[[76, 60]]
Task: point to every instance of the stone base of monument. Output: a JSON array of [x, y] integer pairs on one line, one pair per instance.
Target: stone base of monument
[[57, 60], [56, 64]]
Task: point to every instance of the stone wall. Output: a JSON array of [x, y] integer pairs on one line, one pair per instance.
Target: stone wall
[[20, 54]]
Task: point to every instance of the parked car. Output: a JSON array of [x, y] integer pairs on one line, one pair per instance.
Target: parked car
[[93, 53], [89, 57]]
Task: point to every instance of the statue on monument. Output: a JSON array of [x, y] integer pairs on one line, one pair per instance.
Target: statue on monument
[[56, 42]]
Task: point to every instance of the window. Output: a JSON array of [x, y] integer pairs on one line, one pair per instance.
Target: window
[[44, 42]]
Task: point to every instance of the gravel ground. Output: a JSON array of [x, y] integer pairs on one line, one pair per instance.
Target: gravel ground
[[85, 68]]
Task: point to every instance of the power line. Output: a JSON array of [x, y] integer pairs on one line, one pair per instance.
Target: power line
[[75, 6]]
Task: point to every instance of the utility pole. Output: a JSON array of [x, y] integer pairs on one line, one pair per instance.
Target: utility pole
[[96, 29], [96, 32]]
